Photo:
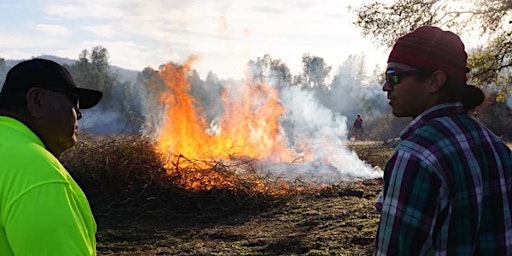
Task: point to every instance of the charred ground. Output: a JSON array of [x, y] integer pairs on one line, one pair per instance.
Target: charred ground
[[138, 214]]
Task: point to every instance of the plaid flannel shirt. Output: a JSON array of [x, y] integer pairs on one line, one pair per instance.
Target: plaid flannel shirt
[[447, 189]]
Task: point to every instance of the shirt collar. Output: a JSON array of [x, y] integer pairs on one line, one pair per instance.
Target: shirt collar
[[445, 109], [21, 128]]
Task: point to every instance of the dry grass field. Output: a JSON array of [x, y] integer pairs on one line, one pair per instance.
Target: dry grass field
[[141, 211]]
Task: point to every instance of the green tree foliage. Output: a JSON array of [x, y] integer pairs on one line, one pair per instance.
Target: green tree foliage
[[490, 18], [492, 66], [120, 98], [315, 71], [92, 70]]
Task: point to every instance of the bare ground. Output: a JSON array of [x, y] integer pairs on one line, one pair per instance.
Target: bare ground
[[338, 220]]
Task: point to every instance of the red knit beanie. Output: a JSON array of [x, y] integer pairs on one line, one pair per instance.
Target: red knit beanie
[[431, 48]]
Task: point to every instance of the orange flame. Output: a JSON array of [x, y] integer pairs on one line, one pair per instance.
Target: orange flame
[[249, 127]]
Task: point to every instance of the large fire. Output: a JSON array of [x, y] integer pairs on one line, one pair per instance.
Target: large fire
[[249, 127]]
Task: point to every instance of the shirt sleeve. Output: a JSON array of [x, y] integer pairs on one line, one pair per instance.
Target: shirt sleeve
[[48, 220], [409, 207]]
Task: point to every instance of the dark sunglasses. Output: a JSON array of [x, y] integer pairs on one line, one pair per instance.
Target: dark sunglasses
[[394, 77], [75, 100]]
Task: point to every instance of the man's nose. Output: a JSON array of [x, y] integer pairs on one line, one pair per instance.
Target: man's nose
[[387, 86]]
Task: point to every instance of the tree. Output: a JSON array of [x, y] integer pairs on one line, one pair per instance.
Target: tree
[[2, 64], [315, 70], [280, 73], [361, 94], [269, 71], [353, 70], [386, 22], [3, 70], [256, 71], [492, 66], [121, 104], [92, 70], [150, 87], [213, 102], [201, 92]]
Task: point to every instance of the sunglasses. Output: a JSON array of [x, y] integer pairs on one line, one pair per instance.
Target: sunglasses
[[394, 77], [75, 100]]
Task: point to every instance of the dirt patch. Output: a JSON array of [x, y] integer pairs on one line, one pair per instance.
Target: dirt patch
[[336, 220]]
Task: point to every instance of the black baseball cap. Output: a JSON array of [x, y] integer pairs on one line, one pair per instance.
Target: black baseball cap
[[46, 74]]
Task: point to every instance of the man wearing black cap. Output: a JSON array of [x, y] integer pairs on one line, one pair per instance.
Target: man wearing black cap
[[42, 210], [447, 188]]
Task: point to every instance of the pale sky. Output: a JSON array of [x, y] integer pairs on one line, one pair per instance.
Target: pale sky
[[224, 34]]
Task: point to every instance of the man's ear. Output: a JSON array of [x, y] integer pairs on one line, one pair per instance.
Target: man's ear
[[438, 79], [35, 97]]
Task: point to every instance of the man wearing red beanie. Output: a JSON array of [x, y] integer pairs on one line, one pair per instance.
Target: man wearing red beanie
[[447, 187]]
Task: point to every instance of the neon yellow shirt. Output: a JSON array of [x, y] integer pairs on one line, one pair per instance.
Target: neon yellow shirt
[[42, 209]]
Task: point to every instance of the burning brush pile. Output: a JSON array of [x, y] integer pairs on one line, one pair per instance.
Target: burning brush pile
[[285, 132], [264, 142], [126, 171]]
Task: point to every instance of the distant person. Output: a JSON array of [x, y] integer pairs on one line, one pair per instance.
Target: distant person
[[289, 128], [447, 188], [358, 128], [42, 210]]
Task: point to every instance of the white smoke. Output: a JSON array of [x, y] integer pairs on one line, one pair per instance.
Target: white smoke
[[99, 121], [318, 131]]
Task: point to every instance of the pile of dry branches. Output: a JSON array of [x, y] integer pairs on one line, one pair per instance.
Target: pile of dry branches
[[125, 171]]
